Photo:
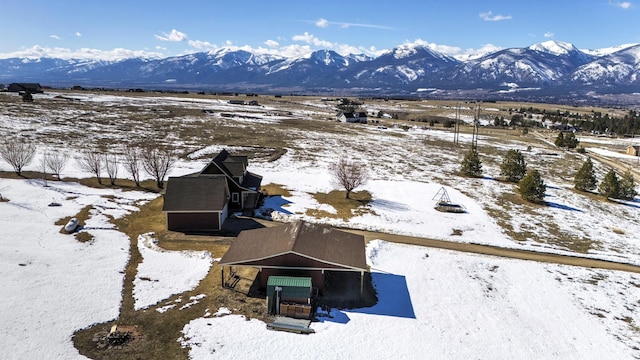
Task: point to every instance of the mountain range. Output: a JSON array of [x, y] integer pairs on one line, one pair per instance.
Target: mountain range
[[551, 70]]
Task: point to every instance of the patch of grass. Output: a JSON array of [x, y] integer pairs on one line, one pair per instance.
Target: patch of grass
[[83, 236], [82, 216], [596, 278], [579, 244], [456, 232], [345, 208], [275, 190], [618, 231], [122, 184], [632, 325]]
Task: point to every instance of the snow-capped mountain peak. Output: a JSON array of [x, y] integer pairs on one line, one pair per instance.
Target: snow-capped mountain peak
[[608, 50], [554, 47]]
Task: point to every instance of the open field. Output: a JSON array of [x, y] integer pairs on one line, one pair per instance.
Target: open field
[[292, 141]]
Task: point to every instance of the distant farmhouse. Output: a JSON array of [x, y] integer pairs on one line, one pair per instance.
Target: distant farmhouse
[[353, 117], [633, 150], [33, 88], [201, 202]]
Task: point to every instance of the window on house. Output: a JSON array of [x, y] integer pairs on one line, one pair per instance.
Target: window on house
[[235, 197]]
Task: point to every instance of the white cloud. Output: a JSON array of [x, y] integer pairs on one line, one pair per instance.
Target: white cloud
[[272, 43], [548, 34], [310, 39], [322, 23], [174, 35], [55, 37], [78, 34], [202, 45], [623, 5], [488, 16], [83, 53]]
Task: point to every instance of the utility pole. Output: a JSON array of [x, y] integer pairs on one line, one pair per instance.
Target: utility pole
[[476, 120], [456, 126]]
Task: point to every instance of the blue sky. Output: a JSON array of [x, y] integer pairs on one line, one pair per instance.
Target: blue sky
[[117, 29]]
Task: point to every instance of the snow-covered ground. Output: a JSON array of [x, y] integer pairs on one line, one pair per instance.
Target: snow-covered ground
[[433, 303], [52, 284], [164, 273], [438, 304]]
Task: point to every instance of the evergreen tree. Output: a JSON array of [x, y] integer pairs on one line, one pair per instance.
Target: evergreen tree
[[570, 141], [585, 179], [610, 186], [513, 166], [471, 165], [531, 187], [560, 140], [627, 186]]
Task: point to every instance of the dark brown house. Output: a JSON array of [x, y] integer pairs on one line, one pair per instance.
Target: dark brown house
[[196, 203], [30, 87], [298, 249], [203, 201]]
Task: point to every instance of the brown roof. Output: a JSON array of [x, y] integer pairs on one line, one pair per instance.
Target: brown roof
[[196, 194], [315, 241], [226, 164], [251, 181]]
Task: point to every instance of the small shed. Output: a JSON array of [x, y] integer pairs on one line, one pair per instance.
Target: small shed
[[633, 150], [283, 291]]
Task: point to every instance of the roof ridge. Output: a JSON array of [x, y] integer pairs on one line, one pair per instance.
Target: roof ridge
[[297, 227]]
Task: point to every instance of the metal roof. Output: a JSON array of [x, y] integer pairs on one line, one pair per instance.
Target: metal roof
[[289, 281]]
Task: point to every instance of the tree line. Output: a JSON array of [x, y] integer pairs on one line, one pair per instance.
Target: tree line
[[156, 161], [596, 121]]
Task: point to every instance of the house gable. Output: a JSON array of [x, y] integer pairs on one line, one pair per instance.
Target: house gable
[[243, 185]]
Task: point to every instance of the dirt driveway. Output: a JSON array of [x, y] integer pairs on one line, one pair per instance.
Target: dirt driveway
[[500, 251]]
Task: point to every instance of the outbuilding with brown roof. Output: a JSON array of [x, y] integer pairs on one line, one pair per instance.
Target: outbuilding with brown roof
[[297, 249]]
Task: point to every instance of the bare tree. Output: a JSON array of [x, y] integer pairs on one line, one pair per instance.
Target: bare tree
[[131, 162], [43, 168], [157, 162], [17, 153], [111, 165], [349, 175], [56, 163], [92, 162]]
